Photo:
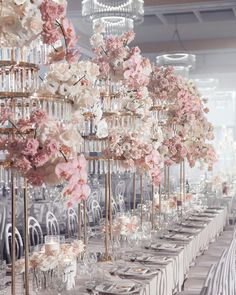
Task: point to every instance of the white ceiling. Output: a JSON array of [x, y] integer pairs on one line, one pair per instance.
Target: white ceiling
[[206, 28]]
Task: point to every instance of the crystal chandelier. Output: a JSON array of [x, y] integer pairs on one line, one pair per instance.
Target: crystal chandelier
[[182, 62], [117, 16]]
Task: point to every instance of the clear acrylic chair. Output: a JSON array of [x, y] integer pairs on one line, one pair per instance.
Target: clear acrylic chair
[[72, 222], [35, 232], [52, 225], [18, 242]]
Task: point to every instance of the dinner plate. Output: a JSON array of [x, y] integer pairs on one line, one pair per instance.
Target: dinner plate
[[177, 237], [153, 259], [167, 247], [137, 271], [124, 288]]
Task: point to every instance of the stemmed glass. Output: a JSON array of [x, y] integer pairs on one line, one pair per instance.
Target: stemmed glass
[[60, 280], [90, 260]]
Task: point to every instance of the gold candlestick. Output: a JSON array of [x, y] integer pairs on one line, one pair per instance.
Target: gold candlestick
[[26, 237]]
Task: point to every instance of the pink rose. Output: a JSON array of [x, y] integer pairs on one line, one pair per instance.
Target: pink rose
[[52, 11], [38, 117], [40, 159], [23, 165], [30, 147], [51, 146]]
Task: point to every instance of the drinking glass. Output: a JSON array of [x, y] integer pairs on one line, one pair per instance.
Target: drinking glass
[[90, 260]]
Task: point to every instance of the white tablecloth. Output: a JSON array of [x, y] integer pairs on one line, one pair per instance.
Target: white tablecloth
[[171, 276]]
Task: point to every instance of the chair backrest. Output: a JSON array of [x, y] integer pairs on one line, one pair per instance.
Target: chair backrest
[[52, 224], [2, 221], [114, 207], [93, 196], [72, 222], [18, 241], [120, 203], [120, 189], [221, 279], [146, 195], [96, 211], [35, 232]]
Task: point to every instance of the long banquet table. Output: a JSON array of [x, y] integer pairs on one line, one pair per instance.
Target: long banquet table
[[171, 276]]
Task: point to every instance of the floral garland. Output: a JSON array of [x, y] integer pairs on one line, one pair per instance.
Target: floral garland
[[38, 150]]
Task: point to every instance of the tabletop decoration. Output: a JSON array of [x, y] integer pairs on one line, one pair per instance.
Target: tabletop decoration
[[45, 264]]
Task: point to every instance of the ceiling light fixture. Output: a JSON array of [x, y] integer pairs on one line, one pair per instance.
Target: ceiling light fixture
[[118, 16]]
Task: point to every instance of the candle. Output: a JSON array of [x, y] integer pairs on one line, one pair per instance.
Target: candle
[[52, 245]]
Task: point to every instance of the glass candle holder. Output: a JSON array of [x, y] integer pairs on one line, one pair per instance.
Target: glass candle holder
[[52, 244]]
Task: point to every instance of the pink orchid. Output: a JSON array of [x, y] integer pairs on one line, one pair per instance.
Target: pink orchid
[[64, 170], [81, 193], [69, 32]]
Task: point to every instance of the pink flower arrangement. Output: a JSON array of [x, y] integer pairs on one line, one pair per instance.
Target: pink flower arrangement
[[135, 154], [163, 84], [75, 173], [56, 27], [42, 158], [176, 151]]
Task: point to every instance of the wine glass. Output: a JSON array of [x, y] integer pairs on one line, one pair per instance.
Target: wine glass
[[90, 260]]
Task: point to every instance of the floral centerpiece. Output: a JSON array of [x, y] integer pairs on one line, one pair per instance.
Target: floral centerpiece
[[44, 152], [125, 225], [135, 153]]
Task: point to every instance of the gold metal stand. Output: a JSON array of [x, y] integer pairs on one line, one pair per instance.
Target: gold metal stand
[[106, 240], [85, 223], [141, 198], [26, 237], [79, 221], [110, 198], [168, 182], [180, 188], [134, 191], [13, 237], [153, 207]]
